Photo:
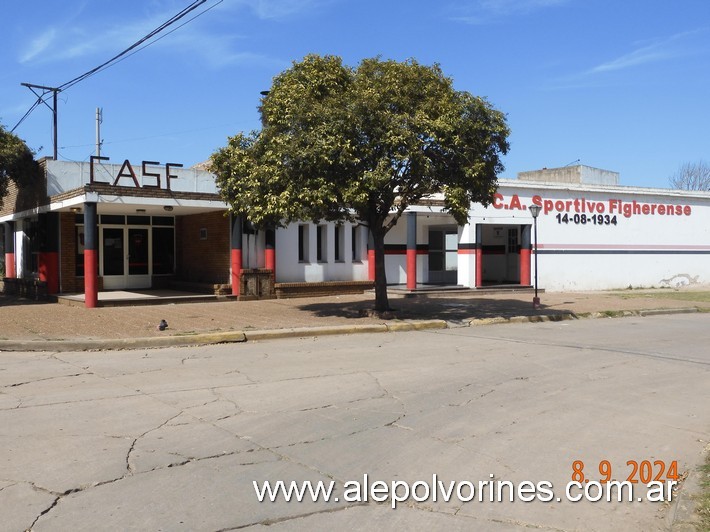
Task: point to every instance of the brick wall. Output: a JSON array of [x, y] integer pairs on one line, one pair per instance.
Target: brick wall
[[69, 282], [203, 260], [22, 199]]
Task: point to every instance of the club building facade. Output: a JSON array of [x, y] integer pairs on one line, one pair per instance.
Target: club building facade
[[93, 226]]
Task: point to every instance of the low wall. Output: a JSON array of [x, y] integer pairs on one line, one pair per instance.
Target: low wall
[[325, 288], [26, 288]]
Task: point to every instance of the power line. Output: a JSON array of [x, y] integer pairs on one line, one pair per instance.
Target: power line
[[146, 45], [134, 48], [147, 37], [159, 135]]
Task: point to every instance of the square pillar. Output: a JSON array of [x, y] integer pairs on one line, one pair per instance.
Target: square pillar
[[236, 252], [411, 250], [10, 271], [91, 256]]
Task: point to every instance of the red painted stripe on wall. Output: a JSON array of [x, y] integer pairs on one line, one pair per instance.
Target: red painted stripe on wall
[[49, 270], [411, 269], [652, 247], [270, 260], [10, 265]]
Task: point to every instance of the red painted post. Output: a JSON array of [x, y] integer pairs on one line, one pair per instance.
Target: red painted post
[[236, 253], [411, 250], [91, 256], [10, 272], [270, 251]]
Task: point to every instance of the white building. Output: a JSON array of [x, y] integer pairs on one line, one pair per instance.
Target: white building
[[143, 225]]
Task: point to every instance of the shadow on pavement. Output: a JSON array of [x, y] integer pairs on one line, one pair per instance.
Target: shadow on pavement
[[14, 301], [449, 309]]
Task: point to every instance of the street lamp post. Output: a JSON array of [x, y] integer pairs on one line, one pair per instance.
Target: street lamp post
[[535, 211]]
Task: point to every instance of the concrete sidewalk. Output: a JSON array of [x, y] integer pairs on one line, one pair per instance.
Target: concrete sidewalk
[[26, 325]]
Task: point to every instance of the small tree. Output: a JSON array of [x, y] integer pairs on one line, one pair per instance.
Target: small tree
[[341, 143], [691, 176], [17, 161]]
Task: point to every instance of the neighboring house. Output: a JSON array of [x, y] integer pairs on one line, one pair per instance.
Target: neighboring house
[[140, 225]]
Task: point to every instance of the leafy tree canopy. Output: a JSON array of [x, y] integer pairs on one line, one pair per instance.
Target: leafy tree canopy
[[17, 161], [342, 143]]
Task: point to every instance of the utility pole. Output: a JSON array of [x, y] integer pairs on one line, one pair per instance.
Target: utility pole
[[99, 121], [53, 108]]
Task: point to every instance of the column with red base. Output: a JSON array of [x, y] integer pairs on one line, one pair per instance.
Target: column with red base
[[91, 256], [479, 255], [370, 257], [525, 249], [236, 252], [270, 251], [10, 250], [48, 259], [411, 250]]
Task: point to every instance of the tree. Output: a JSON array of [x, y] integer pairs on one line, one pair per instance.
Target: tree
[[343, 143], [17, 161], [691, 176]]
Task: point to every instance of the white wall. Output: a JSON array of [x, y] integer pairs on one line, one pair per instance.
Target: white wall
[[396, 263], [467, 258], [63, 176], [289, 269], [649, 249]]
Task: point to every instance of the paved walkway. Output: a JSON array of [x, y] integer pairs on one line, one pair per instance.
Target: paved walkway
[[35, 323]]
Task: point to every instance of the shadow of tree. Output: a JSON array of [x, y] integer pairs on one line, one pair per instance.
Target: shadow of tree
[[449, 309], [14, 301]]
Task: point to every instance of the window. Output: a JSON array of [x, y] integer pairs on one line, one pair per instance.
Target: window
[[452, 254], [30, 248], [355, 243], [339, 243], [164, 220], [112, 219], [322, 243], [443, 250], [163, 250], [303, 243], [138, 220], [80, 249]]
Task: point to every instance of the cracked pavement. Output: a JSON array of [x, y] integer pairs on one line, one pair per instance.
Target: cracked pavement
[[171, 439]]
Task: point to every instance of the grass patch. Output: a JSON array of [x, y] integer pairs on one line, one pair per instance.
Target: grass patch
[[703, 501], [700, 296]]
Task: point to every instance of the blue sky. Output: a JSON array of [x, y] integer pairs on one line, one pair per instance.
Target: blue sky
[[618, 85]]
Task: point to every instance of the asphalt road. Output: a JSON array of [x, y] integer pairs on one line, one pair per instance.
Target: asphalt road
[[173, 439]]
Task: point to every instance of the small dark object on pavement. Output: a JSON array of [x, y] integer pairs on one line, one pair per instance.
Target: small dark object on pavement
[[163, 325]]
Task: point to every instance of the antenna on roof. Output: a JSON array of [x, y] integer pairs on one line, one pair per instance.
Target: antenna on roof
[[573, 162], [99, 121]]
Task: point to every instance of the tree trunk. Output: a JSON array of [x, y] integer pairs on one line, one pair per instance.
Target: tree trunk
[[381, 300]]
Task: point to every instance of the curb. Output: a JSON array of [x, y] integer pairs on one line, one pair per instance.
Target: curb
[[304, 332], [123, 343], [300, 332], [641, 313]]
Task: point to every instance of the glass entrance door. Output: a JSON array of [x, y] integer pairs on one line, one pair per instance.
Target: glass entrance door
[[113, 256], [443, 255], [138, 258], [125, 257], [137, 251]]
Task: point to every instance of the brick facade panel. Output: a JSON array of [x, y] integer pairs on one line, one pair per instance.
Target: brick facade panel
[[203, 260], [69, 282]]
